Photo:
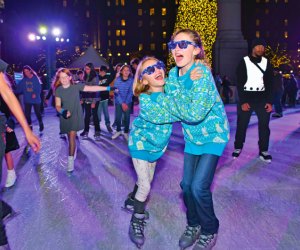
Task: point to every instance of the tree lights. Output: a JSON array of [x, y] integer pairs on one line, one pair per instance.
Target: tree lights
[[199, 15]]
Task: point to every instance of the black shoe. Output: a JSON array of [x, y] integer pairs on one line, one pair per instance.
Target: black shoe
[[41, 127], [265, 156], [109, 129], [236, 153], [277, 115]]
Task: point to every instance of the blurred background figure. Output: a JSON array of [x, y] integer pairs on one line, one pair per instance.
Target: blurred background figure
[[226, 91], [277, 93]]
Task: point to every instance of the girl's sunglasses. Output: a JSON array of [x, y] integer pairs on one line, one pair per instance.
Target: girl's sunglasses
[[183, 44], [151, 69]]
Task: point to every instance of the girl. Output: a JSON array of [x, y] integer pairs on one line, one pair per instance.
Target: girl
[[204, 141], [30, 86], [67, 104], [90, 102], [123, 99], [149, 136]]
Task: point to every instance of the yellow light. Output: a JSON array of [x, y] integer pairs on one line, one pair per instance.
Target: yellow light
[[43, 30]]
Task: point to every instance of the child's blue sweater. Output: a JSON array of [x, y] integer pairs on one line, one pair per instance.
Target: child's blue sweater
[[211, 133]]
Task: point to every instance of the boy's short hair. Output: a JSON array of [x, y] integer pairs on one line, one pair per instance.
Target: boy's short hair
[[103, 68]]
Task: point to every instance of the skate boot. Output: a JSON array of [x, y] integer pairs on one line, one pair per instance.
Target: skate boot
[[189, 237], [206, 242], [84, 135], [70, 167], [136, 229], [97, 136], [129, 206]]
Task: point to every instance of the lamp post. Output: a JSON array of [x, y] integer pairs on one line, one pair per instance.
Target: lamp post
[[50, 40]]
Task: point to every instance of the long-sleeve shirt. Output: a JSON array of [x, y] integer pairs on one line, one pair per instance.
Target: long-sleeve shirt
[[124, 94], [106, 81], [211, 134], [148, 140], [91, 97], [254, 96], [31, 89]]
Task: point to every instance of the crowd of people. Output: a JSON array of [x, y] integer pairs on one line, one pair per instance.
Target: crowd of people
[[189, 95]]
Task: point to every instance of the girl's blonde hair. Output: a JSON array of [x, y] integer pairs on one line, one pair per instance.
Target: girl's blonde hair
[[138, 86], [56, 82], [197, 40]]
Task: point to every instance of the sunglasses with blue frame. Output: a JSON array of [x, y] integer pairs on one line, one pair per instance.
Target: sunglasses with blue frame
[[183, 44], [151, 69]]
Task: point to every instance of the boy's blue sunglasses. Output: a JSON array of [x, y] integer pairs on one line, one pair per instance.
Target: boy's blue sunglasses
[[183, 44], [151, 69]]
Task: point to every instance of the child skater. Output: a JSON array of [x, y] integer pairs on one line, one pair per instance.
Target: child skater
[[149, 136], [67, 104], [204, 141]]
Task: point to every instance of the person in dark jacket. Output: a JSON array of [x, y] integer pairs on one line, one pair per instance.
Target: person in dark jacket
[[106, 77], [254, 85], [30, 86], [277, 93]]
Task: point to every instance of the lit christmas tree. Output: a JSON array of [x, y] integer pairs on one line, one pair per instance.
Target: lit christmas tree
[[199, 15]]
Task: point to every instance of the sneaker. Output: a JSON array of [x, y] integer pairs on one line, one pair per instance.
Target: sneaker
[[236, 153], [189, 237], [11, 178], [70, 167], [84, 135], [206, 242], [109, 129], [97, 136], [265, 156], [125, 136], [277, 115], [116, 135], [41, 126]]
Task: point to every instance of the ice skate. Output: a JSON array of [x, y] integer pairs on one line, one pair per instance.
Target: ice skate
[[136, 229]]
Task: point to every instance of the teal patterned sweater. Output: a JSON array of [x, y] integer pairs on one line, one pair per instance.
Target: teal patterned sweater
[[151, 130], [210, 133]]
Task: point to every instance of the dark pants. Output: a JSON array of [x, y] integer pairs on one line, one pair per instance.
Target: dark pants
[[277, 102], [3, 239], [263, 126], [126, 115], [87, 115], [198, 174], [37, 111]]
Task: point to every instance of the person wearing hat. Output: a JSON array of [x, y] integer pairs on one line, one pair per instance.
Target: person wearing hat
[[254, 85]]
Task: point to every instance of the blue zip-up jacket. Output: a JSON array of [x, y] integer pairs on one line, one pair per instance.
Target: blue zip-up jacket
[[125, 93], [31, 89]]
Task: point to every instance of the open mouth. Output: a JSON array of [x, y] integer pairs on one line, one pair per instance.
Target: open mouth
[[159, 77], [178, 57]]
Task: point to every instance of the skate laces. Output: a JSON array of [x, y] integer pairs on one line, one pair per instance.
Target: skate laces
[[265, 153], [138, 226], [205, 240], [190, 231]]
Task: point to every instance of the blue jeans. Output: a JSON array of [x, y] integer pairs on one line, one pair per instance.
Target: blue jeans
[[103, 107], [126, 115], [198, 174]]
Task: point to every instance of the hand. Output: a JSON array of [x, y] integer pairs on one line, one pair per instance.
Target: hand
[[46, 102], [124, 107], [66, 114], [245, 107], [268, 107], [196, 74], [113, 88], [33, 141], [9, 130], [93, 105], [81, 102]]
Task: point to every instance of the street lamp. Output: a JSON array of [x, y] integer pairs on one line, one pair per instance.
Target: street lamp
[[50, 47]]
